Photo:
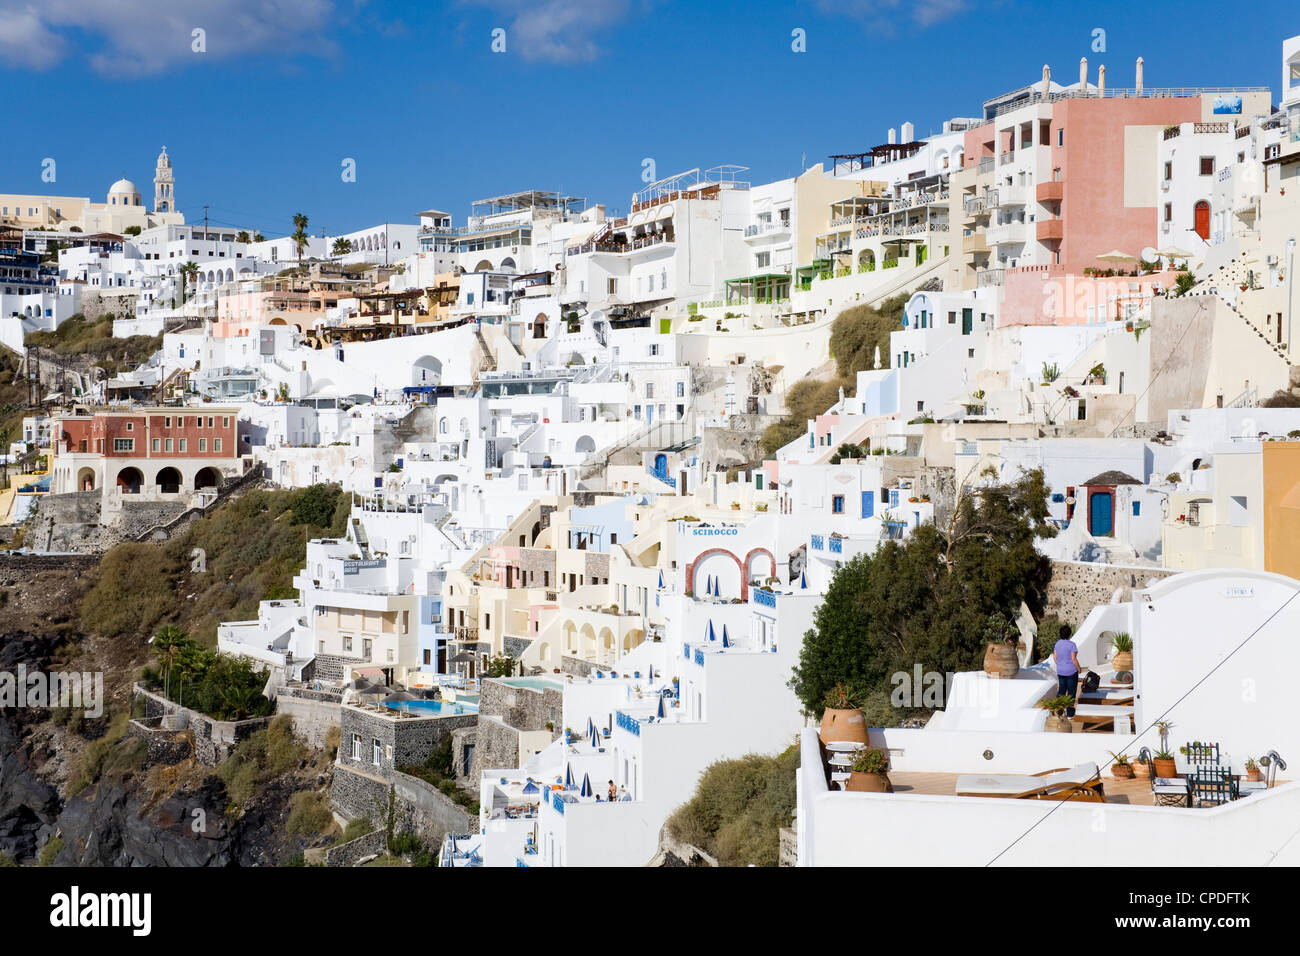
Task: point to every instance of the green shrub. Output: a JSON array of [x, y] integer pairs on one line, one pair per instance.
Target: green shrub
[[7, 861], [1050, 630], [51, 850], [357, 828], [739, 807], [309, 814]]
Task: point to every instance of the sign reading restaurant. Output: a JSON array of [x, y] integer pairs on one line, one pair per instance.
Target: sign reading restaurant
[[355, 567]]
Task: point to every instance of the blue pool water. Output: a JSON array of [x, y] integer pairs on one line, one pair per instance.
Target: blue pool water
[[432, 708], [534, 683]]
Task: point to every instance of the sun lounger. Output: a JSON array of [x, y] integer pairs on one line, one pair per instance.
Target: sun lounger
[[1098, 715], [1077, 783]]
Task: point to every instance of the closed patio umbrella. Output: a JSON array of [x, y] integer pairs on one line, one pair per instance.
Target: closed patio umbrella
[[586, 790], [712, 635], [595, 737], [660, 713], [569, 782], [725, 642]]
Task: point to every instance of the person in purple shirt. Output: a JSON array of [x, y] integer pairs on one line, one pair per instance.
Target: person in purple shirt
[[1066, 655]]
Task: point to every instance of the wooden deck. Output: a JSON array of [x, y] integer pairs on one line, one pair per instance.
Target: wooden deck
[[1135, 792]]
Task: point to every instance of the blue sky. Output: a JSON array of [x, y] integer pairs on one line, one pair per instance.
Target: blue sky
[[259, 123]]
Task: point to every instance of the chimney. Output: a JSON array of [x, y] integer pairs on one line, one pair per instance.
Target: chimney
[[1083, 74], [891, 134], [909, 132], [1047, 80], [1101, 80], [1139, 76]]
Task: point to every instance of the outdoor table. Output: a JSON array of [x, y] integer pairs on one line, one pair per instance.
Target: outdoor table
[[841, 760], [1171, 791], [844, 746]]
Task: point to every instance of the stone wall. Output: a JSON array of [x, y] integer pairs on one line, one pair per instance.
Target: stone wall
[[352, 852], [214, 740], [403, 741], [740, 443], [1079, 586], [75, 523], [521, 707], [460, 739], [496, 745], [333, 667], [162, 746], [418, 806], [312, 719]]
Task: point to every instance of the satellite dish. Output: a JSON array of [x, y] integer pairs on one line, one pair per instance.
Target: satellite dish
[[1149, 254]]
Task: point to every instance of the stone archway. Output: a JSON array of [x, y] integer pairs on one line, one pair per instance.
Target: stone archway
[[130, 480], [168, 481]]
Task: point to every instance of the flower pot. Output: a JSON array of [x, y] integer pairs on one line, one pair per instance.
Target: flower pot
[[1058, 725], [1122, 661], [869, 783], [1001, 661], [1164, 768], [843, 725], [1254, 775], [1122, 771], [1141, 769]]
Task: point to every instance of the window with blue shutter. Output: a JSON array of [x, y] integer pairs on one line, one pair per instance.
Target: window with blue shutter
[[868, 504]]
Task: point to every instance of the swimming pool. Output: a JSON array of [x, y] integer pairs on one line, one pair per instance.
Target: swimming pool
[[533, 683], [432, 708]]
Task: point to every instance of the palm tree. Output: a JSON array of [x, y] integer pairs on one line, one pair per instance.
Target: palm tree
[[342, 246], [189, 271], [299, 236], [242, 237], [258, 237]]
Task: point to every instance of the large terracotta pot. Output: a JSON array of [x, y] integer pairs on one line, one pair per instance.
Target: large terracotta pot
[[1122, 771], [1058, 725], [1141, 769], [869, 783], [1122, 661], [845, 725], [1001, 661], [1164, 768]]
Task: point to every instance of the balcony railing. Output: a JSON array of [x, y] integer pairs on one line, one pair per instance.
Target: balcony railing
[[765, 598], [628, 723], [837, 545], [663, 476], [986, 164], [1007, 157], [989, 277], [818, 543]]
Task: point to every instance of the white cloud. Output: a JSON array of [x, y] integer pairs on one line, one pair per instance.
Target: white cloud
[[147, 36], [558, 31]]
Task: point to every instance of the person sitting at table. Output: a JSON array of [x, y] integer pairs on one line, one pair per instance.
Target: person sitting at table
[[1066, 655]]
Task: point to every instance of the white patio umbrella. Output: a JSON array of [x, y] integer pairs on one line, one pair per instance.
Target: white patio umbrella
[[1115, 255]]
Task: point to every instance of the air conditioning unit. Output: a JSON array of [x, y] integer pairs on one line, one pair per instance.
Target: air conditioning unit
[[1272, 260]]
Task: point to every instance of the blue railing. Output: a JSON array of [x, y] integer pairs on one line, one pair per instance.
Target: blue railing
[[663, 476], [765, 598], [686, 651], [557, 801], [628, 723], [817, 543], [699, 657], [837, 545]]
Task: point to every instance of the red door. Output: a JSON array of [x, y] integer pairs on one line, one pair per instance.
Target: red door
[[1203, 220]]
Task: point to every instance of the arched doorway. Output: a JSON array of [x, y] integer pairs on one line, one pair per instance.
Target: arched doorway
[[207, 478], [86, 479], [129, 481], [585, 445], [427, 370], [168, 481], [539, 327], [1202, 214]]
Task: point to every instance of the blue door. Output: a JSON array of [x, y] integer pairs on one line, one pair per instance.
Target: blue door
[[868, 504], [1101, 507], [661, 464]]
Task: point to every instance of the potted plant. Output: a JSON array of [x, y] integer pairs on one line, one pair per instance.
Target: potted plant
[[1002, 654], [842, 719], [1164, 765], [869, 772], [1121, 767], [1122, 658], [1162, 728], [1141, 768], [1252, 770], [1057, 722]]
